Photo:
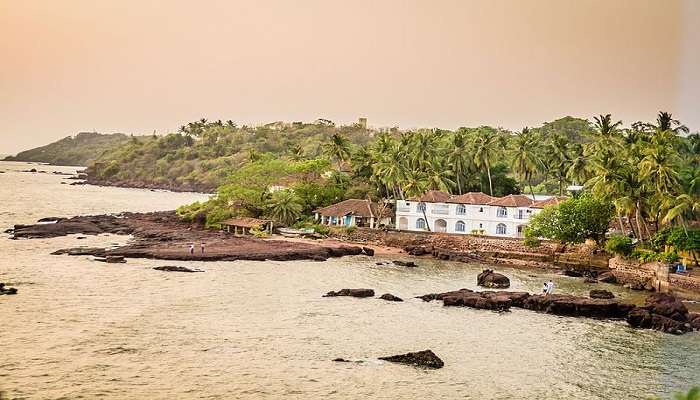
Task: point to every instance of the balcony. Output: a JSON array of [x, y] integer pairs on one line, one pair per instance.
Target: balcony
[[441, 210], [405, 209]]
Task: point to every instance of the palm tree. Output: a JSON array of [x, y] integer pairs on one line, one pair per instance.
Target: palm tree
[[660, 164], [284, 206], [338, 149], [665, 122], [557, 158], [459, 159], [578, 170], [526, 160], [439, 177], [486, 143]]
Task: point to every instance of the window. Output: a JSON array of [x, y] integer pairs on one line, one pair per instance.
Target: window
[[501, 229], [481, 209], [481, 226], [420, 223], [461, 209], [502, 212], [421, 208], [460, 227]]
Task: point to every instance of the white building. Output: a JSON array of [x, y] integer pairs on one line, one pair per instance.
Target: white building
[[354, 212], [470, 213]]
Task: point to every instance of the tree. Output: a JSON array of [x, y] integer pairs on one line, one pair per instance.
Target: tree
[[486, 142], [459, 159], [526, 160], [572, 221], [284, 206], [338, 149]]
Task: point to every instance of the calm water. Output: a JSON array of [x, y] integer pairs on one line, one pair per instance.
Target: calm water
[[83, 329]]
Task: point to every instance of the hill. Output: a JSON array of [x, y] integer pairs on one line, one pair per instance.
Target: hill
[[72, 150]]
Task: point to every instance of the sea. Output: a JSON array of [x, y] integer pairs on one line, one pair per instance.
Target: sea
[[81, 329]]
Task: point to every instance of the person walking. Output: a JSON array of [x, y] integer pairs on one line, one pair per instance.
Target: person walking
[[550, 287]]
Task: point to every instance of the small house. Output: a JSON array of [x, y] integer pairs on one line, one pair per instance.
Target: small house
[[243, 225], [353, 212]]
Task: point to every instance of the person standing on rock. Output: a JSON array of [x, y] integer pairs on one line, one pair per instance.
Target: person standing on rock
[[544, 288], [202, 248], [550, 287], [191, 249]]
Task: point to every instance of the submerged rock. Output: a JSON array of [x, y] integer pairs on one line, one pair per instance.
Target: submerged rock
[[425, 359], [390, 297], [82, 251], [488, 278], [643, 318], [601, 294], [114, 259], [351, 293], [409, 264], [368, 251], [7, 290], [607, 277], [173, 268], [489, 300], [574, 306]]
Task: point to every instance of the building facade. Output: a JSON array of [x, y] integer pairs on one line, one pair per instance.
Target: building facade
[[470, 213], [354, 212]]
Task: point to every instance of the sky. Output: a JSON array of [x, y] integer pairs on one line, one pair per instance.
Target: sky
[[139, 66]]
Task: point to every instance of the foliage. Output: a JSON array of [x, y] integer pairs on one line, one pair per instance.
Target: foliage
[[259, 233], [76, 151], [619, 244], [648, 255], [677, 237], [572, 221], [532, 242], [284, 206]]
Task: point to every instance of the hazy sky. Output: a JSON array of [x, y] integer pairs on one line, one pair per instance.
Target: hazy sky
[[139, 66]]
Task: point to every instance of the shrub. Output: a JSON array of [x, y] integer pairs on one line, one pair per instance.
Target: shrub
[[532, 242], [619, 244], [573, 220]]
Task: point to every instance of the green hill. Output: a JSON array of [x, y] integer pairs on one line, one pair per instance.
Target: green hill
[[72, 150]]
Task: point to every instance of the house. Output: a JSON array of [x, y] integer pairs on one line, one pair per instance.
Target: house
[[353, 212], [474, 212], [243, 225]]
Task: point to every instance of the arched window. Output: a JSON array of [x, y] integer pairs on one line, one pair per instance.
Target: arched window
[[421, 208], [461, 209], [420, 223], [440, 225], [460, 227], [502, 212], [501, 229]]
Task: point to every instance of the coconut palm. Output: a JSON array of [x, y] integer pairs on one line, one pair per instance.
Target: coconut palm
[[486, 143], [284, 206], [338, 149], [460, 159], [526, 160]]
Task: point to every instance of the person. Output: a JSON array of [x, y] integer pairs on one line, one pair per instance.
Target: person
[[202, 247], [550, 287], [191, 249], [544, 288]]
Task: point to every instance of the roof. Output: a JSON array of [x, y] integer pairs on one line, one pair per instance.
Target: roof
[[246, 222], [512, 200], [472, 198], [362, 208], [433, 196], [552, 201]]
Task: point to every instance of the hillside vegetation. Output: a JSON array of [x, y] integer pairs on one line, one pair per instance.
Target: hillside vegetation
[[77, 150]]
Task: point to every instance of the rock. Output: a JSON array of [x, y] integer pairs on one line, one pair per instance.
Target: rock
[[601, 294], [666, 305], [368, 251], [418, 250], [7, 290], [488, 300], [341, 360], [590, 280], [694, 320], [351, 293], [390, 297], [607, 277], [82, 251], [575, 274], [573, 306], [50, 219], [425, 359], [409, 264], [643, 318], [634, 286], [488, 278], [115, 259], [173, 268]]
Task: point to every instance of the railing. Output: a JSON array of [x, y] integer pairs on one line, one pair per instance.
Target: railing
[[403, 209], [443, 211]]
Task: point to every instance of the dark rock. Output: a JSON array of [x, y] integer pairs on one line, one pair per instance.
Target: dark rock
[[425, 359], [573, 273], [634, 286], [643, 318], [694, 320], [390, 297], [368, 251], [173, 268], [590, 280], [318, 258], [601, 294], [82, 251], [77, 183], [115, 259], [341, 360], [607, 277], [7, 290], [418, 250], [351, 293], [488, 300], [50, 219], [409, 264], [666, 305], [488, 278], [573, 306]]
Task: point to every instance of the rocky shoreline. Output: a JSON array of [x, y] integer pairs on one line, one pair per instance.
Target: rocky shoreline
[[138, 184], [162, 235]]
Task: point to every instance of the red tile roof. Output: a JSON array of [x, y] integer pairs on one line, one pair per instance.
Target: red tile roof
[[362, 208], [512, 200], [246, 222], [433, 196], [472, 198], [552, 201]]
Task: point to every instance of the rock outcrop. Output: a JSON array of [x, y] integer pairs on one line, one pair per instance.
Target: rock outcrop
[[489, 300], [574, 306], [663, 312], [390, 297], [409, 264], [173, 268], [351, 293], [7, 290], [488, 278], [424, 359], [601, 294]]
